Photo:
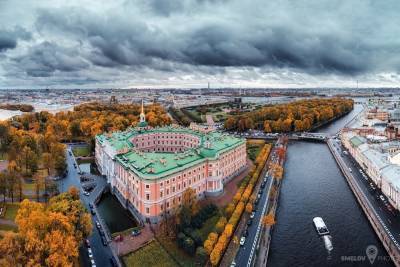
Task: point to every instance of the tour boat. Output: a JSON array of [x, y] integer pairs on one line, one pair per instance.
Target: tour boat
[[320, 226]]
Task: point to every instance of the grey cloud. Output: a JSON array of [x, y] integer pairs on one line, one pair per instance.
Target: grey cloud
[[9, 38], [44, 59], [210, 38], [213, 42]]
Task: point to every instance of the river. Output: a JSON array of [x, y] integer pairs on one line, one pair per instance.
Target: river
[[314, 186]]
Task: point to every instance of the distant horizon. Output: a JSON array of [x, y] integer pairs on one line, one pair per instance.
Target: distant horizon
[[211, 88]]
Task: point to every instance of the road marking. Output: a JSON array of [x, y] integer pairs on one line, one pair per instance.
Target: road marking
[[258, 228]]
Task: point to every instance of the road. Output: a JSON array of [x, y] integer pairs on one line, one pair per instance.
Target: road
[[389, 219], [101, 253], [247, 253]]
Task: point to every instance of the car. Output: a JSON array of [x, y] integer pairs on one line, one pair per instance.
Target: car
[[86, 193], [249, 222], [91, 205], [92, 211], [98, 225], [372, 186], [262, 185], [242, 240], [136, 232], [252, 215], [92, 262], [90, 253], [256, 202], [75, 165], [87, 243]]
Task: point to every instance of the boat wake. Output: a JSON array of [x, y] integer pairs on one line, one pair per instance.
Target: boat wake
[[328, 242]]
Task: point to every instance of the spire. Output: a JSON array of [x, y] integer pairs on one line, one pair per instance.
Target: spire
[[142, 122]]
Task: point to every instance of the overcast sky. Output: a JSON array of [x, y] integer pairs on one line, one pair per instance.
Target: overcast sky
[[177, 43]]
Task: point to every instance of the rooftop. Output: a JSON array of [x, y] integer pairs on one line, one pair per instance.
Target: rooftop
[[156, 164], [392, 175]]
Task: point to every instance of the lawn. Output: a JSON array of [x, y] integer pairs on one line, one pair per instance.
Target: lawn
[[3, 156], [81, 151], [254, 147], [11, 211], [177, 253], [6, 228], [152, 254]]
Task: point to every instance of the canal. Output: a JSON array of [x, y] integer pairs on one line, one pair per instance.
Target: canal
[[314, 186]]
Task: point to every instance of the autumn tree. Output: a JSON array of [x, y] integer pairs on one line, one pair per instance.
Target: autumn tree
[[269, 219], [48, 235]]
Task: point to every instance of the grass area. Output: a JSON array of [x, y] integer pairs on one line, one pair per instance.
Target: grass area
[[81, 151], [177, 253], [254, 147], [208, 226], [11, 211], [28, 186], [3, 156], [6, 227], [152, 254]]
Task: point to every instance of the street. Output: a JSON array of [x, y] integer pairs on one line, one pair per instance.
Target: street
[[388, 219], [247, 253], [101, 253]]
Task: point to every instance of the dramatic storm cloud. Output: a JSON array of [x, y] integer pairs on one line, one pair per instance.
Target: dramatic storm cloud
[[154, 43]]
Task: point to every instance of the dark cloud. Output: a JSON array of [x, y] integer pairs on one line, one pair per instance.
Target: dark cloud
[[9, 38], [210, 37], [44, 59], [134, 42]]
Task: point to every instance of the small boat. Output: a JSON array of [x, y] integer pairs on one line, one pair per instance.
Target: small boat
[[320, 226]]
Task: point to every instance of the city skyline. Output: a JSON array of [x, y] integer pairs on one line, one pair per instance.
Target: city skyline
[[185, 44]]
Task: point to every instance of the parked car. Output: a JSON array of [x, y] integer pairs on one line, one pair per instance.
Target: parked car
[[98, 225], [90, 253], [136, 232], [86, 193], [249, 222], [87, 243], [242, 240], [372, 186], [252, 215]]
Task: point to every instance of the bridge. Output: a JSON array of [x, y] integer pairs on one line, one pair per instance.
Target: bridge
[[305, 136]]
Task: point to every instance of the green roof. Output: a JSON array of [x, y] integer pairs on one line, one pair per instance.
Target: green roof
[[154, 165], [356, 141]]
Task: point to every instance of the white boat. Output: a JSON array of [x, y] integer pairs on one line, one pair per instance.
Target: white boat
[[320, 226]]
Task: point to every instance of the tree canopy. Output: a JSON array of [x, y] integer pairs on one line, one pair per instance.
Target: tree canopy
[[48, 235], [298, 116]]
